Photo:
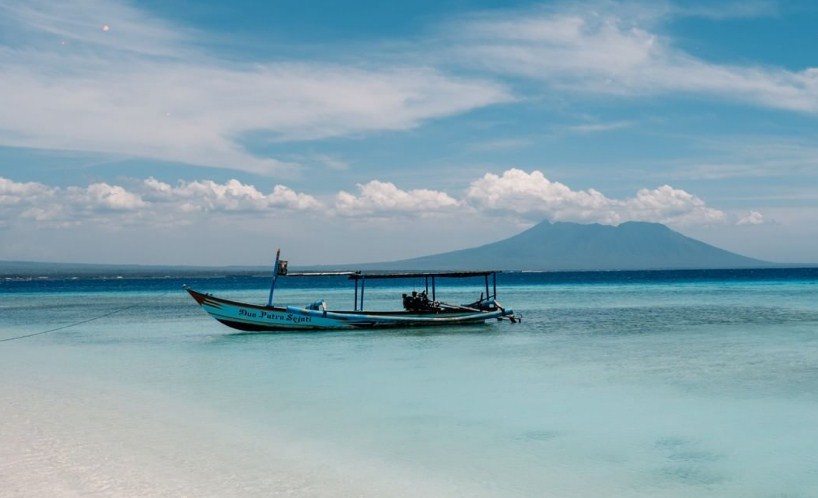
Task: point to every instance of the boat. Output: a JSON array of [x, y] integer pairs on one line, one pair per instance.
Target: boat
[[420, 309]]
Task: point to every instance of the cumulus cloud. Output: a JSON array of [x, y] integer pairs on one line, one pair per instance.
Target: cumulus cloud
[[148, 202], [668, 205], [528, 197], [28, 201], [533, 196], [17, 193], [101, 196], [69, 206], [383, 198], [231, 196], [207, 195], [752, 218]]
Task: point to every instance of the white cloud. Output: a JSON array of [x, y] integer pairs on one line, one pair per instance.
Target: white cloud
[[669, 205], [378, 198], [600, 127], [525, 196], [533, 196], [150, 203], [80, 25], [18, 193], [553, 45], [330, 162], [232, 196], [753, 156], [195, 114], [30, 201], [208, 195], [142, 89], [101, 196], [63, 207], [288, 198], [728, 10], [611, 48], [752, 218], [146, 88]]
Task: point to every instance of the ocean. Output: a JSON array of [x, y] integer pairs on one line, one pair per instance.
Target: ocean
[[615, 384]]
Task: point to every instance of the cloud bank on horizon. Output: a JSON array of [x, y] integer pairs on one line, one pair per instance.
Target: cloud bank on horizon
[[115, 80], [516, 193]]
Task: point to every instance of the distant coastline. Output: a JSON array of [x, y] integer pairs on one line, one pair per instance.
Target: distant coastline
[[33, 269], [29, 270], [545, 247]]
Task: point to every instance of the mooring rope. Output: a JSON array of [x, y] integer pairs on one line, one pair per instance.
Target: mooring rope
[[80, 322]]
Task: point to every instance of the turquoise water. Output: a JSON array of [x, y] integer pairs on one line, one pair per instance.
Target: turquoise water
[[662, 384]]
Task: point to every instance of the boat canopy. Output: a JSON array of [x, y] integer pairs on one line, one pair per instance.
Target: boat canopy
[[429, 278]]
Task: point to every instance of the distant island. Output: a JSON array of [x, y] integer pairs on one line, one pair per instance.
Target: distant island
[[583, 247], [547, 246]]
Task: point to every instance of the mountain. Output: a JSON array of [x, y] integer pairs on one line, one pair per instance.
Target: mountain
[[543, 247], [573, 246]]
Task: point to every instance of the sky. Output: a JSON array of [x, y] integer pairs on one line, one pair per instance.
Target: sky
[[213, 132]]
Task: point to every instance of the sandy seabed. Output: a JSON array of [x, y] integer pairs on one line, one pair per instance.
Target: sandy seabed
[[58, 444], [51, 445]]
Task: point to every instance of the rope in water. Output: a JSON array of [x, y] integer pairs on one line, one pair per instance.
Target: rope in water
[[76, 323]]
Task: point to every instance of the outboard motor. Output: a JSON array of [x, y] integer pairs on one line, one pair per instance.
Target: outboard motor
[[419, 302]]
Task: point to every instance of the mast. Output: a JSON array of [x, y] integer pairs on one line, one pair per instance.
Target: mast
[[275, 277]]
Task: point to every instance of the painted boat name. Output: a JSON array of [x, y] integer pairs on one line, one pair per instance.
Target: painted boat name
[[281, 317]]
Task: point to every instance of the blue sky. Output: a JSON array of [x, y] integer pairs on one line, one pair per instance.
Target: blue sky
[[213, 132]]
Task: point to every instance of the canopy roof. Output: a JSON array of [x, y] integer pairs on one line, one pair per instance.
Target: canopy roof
[[358, 275]]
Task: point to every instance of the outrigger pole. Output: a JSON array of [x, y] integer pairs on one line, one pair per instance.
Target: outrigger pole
[[275, 277]]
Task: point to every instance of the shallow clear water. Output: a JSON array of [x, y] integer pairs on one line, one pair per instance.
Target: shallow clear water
[[657, 384]]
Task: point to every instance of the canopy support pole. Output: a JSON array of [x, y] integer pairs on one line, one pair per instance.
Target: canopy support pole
[[494, 284], [363, 284]]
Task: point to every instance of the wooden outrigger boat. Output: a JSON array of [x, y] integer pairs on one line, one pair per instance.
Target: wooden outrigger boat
[[421, 309]]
